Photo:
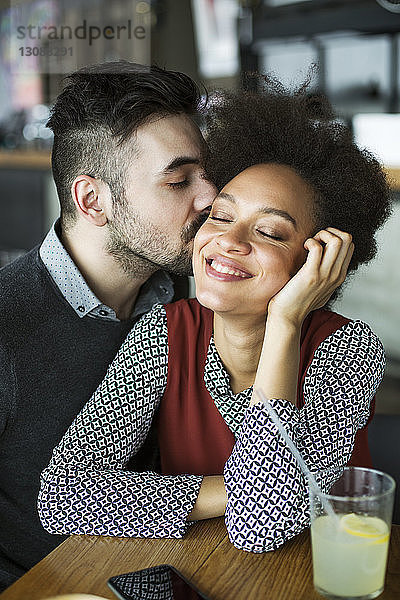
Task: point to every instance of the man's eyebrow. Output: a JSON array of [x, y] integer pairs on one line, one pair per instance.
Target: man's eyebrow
[[180, 161], [266, 210]]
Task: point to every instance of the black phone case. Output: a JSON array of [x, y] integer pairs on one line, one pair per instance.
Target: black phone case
[[162, 582]]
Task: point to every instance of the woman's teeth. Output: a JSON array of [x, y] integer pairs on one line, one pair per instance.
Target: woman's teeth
[[222, 269]]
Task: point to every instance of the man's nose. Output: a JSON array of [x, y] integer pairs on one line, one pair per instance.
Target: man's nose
[[205, 195]]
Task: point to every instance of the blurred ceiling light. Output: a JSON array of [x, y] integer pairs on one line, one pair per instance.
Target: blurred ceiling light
[[40, 112], [215, 24], [379, 133], [44, 132], [30, 132]]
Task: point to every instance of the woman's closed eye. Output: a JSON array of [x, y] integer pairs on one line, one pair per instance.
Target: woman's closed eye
[[224, 218], [270, 235]]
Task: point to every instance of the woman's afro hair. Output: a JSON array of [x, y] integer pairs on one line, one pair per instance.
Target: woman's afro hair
[[299, 130]]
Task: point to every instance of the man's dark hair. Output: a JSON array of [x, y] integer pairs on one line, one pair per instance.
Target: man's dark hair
[[299, 130], [97, 113]]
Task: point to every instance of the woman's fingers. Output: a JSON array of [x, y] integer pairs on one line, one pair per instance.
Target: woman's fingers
[[338, 249], [315, 254], [340, 265], [332, 245]]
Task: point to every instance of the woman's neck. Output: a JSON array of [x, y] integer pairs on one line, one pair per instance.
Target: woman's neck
[[239, 341]]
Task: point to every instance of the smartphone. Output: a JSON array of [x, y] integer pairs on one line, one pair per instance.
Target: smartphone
[[156, 583]]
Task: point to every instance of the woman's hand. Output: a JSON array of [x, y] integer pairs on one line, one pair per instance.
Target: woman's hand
[[329, 255]]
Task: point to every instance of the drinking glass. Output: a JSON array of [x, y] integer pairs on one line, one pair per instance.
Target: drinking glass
[[349, 548]]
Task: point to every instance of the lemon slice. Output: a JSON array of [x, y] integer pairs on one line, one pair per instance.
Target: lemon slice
[[372, 528]]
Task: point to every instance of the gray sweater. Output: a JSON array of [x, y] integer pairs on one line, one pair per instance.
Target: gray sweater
[[51, 361]]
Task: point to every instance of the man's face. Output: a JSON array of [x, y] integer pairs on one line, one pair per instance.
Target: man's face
[[166, 197]]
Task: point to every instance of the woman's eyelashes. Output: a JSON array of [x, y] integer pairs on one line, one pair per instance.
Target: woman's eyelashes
[[270, 235], [267, 234]]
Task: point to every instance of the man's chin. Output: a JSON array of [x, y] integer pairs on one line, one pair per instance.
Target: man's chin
[[182, 264], [182, 269]]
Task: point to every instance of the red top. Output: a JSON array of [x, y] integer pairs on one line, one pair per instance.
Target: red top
[[193, 436]]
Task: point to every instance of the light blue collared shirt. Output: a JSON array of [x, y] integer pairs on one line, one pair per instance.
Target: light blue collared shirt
[[69, 280]]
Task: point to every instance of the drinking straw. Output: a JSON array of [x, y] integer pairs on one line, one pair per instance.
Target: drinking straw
[[310, 477]]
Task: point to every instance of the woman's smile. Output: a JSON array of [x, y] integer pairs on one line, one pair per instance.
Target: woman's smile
[[225, 269]]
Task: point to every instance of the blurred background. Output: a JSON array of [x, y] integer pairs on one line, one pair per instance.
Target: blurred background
[[355, 43]]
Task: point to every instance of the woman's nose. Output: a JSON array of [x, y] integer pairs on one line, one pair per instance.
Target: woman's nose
[[234, 240]]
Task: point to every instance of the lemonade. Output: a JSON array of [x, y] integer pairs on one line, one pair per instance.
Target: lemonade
[[349, 560]]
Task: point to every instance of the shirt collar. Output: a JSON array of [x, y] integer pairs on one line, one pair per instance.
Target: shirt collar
[[72, 285]]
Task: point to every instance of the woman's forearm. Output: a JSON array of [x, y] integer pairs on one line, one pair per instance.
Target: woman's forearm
[[278, 367], [211, 501]]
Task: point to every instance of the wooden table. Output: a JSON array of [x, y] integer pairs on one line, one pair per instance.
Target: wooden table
[[84, 563]]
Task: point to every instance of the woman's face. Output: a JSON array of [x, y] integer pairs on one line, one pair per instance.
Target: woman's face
[[252, 242]]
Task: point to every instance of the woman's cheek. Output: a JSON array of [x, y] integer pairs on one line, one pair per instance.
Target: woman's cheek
[[197, 246], [196, 263], [277, 273]]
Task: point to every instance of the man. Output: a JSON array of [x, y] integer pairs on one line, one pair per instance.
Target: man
[[128, 163]]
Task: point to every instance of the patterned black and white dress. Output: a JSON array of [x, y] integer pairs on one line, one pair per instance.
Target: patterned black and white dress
[[86, 488]]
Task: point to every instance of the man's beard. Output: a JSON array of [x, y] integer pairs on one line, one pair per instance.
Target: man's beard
[[140, 248]]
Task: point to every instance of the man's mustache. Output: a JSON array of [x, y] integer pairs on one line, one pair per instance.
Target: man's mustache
[[190, 231]]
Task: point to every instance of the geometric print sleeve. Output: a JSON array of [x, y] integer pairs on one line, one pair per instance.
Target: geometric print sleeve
[[86, 488], [267, 492]]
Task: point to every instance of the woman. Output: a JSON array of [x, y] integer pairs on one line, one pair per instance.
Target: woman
[[270, 255]]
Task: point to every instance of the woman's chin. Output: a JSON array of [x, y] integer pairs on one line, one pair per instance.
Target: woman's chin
[[215, 302], [222, 304]]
